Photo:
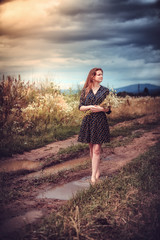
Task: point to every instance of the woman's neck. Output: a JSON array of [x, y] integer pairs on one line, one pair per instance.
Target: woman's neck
[[95, 85]]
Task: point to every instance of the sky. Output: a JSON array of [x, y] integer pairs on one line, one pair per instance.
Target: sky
[[63, 39]]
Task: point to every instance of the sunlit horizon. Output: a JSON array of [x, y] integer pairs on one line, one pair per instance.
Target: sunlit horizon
[[65, 39]]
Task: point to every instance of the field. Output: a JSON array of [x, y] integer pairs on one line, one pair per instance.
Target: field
[[123, 205], [32, 116]]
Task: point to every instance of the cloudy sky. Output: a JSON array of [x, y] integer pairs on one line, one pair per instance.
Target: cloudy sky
[[64, 39]]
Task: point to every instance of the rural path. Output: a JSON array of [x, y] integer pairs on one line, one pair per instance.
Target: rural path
[[28, 208], [53, 148]]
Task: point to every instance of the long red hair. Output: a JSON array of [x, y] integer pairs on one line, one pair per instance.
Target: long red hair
[[89, 81]]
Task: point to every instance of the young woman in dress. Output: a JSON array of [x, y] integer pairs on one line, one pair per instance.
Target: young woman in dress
[[94, 128]]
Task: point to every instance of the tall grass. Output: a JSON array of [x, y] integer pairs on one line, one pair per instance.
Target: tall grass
[[124, 206], [133, 106], [32, 116]]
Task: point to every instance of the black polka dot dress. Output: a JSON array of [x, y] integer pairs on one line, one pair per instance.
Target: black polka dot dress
[[94, 128]]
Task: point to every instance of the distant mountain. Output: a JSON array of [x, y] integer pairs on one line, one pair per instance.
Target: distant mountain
[[139, 88]]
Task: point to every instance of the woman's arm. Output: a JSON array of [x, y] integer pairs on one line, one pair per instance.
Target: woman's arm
[[86, 108], [98, 108], [94, 108]]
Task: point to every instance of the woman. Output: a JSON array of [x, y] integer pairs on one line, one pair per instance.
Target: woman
[[94, 128]]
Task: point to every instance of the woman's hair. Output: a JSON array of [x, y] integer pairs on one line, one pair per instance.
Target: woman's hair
[[89, 81]]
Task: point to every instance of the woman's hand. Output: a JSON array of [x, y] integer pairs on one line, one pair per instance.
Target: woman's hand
[[96, 108]]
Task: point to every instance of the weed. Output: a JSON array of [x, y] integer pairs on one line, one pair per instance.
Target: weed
[[31, 117], [72, 149], [125, 206]]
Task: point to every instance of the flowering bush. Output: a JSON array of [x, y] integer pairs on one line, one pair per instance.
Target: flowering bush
[[26, 108], [46, 110], [13, 96]]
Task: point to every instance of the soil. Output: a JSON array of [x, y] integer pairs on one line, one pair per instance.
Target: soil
[[53, 148], [113, 159]]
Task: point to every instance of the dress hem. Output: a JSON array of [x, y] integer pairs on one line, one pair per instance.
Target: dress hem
[[94, 142]]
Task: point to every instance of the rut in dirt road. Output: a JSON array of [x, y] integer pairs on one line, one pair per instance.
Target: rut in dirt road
[[112, 161], [41, 198], [36, 158]]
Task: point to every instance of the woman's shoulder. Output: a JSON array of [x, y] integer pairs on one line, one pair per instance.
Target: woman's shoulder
[[83, 92], [105, 88]]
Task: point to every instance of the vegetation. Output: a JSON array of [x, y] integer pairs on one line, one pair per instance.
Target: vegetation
[[122, 206], [125, 206], [32, 116], [9, 193]]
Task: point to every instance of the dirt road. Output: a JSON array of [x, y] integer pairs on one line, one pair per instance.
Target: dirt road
[[27, 208]]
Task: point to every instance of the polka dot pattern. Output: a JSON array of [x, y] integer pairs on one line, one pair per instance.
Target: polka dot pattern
[[94, 128]]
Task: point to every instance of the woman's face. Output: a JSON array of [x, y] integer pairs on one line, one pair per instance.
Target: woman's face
[[98, 77]]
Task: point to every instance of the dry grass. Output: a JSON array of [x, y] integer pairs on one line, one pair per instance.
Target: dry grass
[[32, 116], [125, 206], [133, 106]]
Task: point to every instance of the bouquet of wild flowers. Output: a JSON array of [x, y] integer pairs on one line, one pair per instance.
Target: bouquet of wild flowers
[[110, 101]]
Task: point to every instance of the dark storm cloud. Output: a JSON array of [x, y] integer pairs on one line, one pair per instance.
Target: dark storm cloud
[[128, 10], [144, 35], [141, 34], [122, 36], [100, 20], [123, 9]]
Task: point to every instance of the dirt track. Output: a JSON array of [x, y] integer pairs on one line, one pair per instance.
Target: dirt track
[[112, 160], [51, 149]]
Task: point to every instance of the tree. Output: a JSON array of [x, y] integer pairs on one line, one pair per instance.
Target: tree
[[146, 91]]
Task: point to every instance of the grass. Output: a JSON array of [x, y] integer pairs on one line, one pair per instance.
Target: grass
[[128, 134], [71, 149], [10, 192], [19, 144], [55, 178], [126, 131], [31, 116], [125, 206], [114, 121], [124, 140]]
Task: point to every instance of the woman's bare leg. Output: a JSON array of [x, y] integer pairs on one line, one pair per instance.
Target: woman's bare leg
[[96, 162], [91, 150]]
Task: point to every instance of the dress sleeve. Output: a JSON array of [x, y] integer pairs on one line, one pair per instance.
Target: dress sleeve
[[107, 92], [82, 98]]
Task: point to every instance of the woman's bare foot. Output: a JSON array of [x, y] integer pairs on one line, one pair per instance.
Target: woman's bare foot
[[93, 181], [97, 175]]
